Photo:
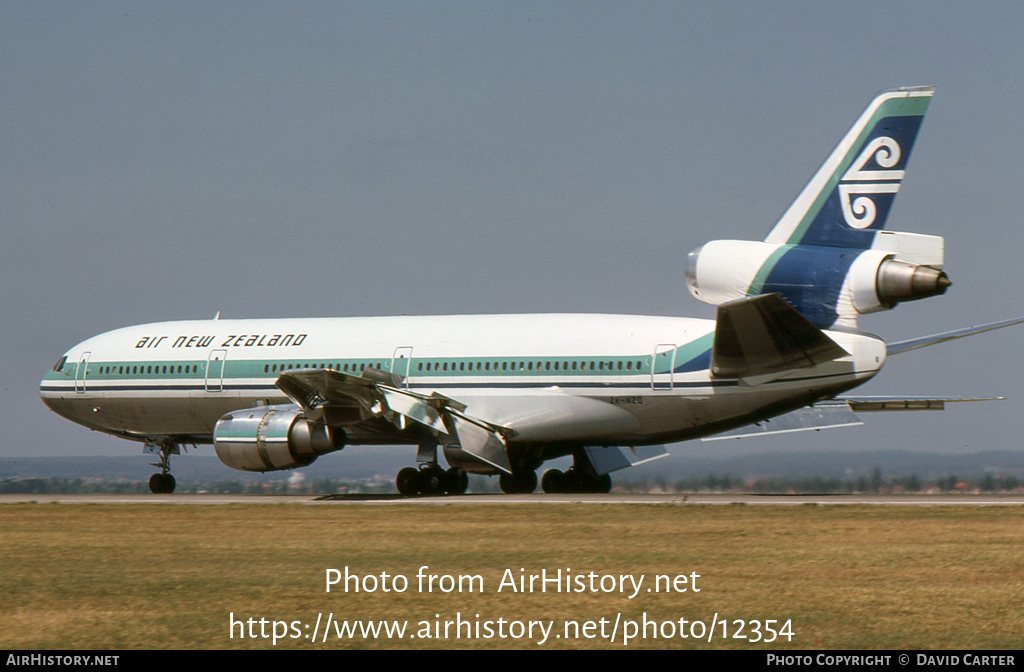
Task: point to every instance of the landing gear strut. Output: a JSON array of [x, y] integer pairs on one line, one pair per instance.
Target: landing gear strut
[[163, 483]]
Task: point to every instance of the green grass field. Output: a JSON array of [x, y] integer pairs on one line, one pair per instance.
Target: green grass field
[[850, 577]]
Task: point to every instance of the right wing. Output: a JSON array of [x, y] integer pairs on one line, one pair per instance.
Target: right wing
[[924, 341]]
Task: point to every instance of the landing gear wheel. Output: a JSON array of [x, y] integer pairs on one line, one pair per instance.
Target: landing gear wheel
[[518, 483], [553, 481], [408, 481], [456, 481], [528, 481], [161, 484], [571, 481], [579, 482], [431, 479]]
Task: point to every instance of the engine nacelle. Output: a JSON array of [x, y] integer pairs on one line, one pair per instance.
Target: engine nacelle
[[878, 281], [826, 284], [271, 438]]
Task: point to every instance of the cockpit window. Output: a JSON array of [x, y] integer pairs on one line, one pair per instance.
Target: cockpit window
[[60, 364]]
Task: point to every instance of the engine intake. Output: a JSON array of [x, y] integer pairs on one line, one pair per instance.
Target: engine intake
[[272, 438]]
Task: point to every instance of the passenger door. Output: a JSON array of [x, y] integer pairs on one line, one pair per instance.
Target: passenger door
[[80, 372], [401, 363], [662, 363], [215, 371]]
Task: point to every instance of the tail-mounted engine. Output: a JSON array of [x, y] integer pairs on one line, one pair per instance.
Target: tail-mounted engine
[[271, 438], [828, 285]]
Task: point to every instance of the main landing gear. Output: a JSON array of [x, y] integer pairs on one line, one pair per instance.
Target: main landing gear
[[581, 477], [431, 479], [575, 481], [162, 483]]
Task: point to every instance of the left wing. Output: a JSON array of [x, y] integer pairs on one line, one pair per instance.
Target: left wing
[[337, 398]]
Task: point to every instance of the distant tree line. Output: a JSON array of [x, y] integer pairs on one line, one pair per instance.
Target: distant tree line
[[75, 486], [872, 483]]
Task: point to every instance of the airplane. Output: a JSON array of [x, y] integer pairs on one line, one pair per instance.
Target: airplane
[[502, 394]]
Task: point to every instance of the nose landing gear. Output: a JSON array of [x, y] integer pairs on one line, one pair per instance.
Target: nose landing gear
[[162, 483]]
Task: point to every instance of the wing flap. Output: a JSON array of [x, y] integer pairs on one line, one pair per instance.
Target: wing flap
[[879, 404], [476, 438]]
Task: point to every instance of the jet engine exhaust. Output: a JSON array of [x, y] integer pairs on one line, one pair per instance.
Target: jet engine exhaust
[[898, 281]]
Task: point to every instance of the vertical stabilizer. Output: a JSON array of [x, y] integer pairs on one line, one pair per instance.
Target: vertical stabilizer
[[850, 197]]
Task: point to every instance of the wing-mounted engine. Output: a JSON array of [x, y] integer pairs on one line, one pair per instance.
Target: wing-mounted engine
[[271, 438], [828, 285]]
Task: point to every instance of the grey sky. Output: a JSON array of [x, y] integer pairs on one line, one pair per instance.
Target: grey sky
[[171, 160]]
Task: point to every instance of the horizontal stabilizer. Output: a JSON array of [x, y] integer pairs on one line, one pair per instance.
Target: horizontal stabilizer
[[825, 415], [924, 341], [763, 335], [612, 458]]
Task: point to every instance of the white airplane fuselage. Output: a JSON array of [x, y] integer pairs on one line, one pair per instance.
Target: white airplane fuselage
[[560, 381]]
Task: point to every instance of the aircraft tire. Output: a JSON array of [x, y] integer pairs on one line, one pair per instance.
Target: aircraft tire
[[408, 481], [553, 481], [518, 483], [456, 481], [527, 481], [161, 484], [507, 484], [572, 482], [431, 480]]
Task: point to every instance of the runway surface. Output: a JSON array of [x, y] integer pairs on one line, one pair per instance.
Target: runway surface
[[536, 498]]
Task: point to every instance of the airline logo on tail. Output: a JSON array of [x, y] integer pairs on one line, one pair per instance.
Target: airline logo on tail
[[860, 182]]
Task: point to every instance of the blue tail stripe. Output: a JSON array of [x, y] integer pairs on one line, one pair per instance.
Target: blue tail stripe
[[810, 279]]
